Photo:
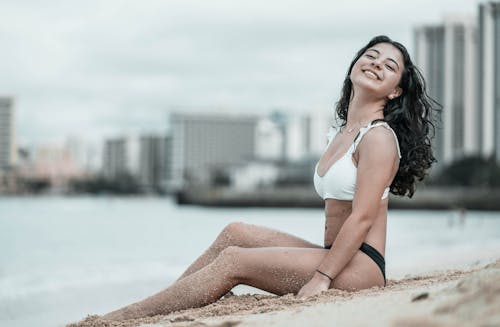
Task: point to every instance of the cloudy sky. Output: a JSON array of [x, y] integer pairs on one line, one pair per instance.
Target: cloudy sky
[[95, 68]]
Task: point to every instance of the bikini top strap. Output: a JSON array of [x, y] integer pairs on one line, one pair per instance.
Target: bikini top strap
[[364, 130]]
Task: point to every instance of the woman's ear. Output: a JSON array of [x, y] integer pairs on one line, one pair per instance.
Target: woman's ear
[[394, 94]]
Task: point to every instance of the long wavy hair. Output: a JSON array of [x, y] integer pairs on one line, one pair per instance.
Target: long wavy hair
[[411, 115]]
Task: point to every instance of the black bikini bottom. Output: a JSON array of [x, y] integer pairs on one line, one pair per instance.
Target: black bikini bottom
[[373, 254]]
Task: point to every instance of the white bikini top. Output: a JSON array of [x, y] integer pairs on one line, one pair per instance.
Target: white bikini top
[[339, 181]]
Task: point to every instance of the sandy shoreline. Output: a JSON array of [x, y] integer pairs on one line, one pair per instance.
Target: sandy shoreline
[[444, 298]]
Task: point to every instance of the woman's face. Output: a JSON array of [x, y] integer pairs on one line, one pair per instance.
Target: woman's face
[[379, 70]]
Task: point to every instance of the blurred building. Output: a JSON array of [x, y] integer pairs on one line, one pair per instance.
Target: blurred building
[[429, 57], [306, 135], [120, 157], [84, 153], [292, 137], [54, 164], [269, 140], [297, 137], [202, 144], [317, 125], [446, 55], [254, 175], [154, 152], [8, 150], [488, 74]]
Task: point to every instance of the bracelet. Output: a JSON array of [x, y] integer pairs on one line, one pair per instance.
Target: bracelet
[[322, 273]]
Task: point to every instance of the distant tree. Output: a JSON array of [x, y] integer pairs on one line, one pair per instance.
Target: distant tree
[[35, 185], [220, 178], [470, 171], [295, 174], [123, 184]]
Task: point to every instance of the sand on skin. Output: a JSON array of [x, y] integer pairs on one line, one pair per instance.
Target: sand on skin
[[446, 298]]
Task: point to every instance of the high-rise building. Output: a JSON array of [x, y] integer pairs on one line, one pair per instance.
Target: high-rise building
[[293, 136], [7, 134], [429, 57], [446, 55], [306, 134], [488, 74], [204, 143], [154, 151], [120, 157], [114, 158], [53, 163]]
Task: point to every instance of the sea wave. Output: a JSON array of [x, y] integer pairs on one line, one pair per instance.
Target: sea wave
[[27, 283]]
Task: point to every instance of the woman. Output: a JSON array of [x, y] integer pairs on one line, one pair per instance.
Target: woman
[[383, 146]]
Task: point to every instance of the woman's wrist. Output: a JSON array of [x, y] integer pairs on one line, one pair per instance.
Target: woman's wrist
[[324, 275]]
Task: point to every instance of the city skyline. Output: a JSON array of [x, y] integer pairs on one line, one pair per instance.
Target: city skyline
[[94, 69]]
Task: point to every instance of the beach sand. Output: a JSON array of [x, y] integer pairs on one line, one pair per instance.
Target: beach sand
[[456, 298]]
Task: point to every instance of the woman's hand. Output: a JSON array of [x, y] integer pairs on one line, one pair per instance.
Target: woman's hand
[[316, 285]]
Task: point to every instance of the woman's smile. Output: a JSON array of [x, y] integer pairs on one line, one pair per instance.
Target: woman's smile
[[370, 73]]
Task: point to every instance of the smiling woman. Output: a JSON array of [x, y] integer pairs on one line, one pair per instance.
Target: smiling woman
[[378, 64], [359, 167]]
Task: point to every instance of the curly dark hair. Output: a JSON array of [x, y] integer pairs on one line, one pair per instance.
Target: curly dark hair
[[411, 115]]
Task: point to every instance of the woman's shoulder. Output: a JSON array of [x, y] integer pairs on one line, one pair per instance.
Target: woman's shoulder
[[377, 136]]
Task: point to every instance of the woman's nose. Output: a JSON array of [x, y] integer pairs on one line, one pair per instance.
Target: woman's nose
[[376, 63]]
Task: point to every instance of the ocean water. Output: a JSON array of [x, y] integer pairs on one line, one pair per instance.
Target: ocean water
[[63, 258]]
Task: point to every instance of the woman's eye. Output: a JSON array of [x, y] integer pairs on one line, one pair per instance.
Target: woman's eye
[[390, 67], [370, 56]]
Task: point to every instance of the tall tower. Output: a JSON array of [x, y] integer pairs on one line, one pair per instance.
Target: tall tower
[[429, 57], [120, 157], [489, 78], [446, 54], [7, 134], [204, 143], [154, 151]]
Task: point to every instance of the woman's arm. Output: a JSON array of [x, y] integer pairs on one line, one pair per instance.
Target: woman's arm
[[376, 168]]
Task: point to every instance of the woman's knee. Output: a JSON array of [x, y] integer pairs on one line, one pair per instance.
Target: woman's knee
[[235, 228], [233, 233]]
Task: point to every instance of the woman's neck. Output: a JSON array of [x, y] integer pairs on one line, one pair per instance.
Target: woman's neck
[[363, 111]]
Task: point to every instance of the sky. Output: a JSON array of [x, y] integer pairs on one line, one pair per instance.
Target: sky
[[99, 68]]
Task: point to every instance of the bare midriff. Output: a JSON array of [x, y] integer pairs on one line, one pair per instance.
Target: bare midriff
[[337, 212]]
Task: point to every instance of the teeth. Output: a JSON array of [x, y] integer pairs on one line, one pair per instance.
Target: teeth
[[371, 74]]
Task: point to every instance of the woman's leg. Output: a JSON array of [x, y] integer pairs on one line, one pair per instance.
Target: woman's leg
[[278, 270], [246, 236], [285, 270]]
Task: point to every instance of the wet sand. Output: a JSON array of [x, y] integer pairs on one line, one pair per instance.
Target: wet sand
[[443, 298]]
